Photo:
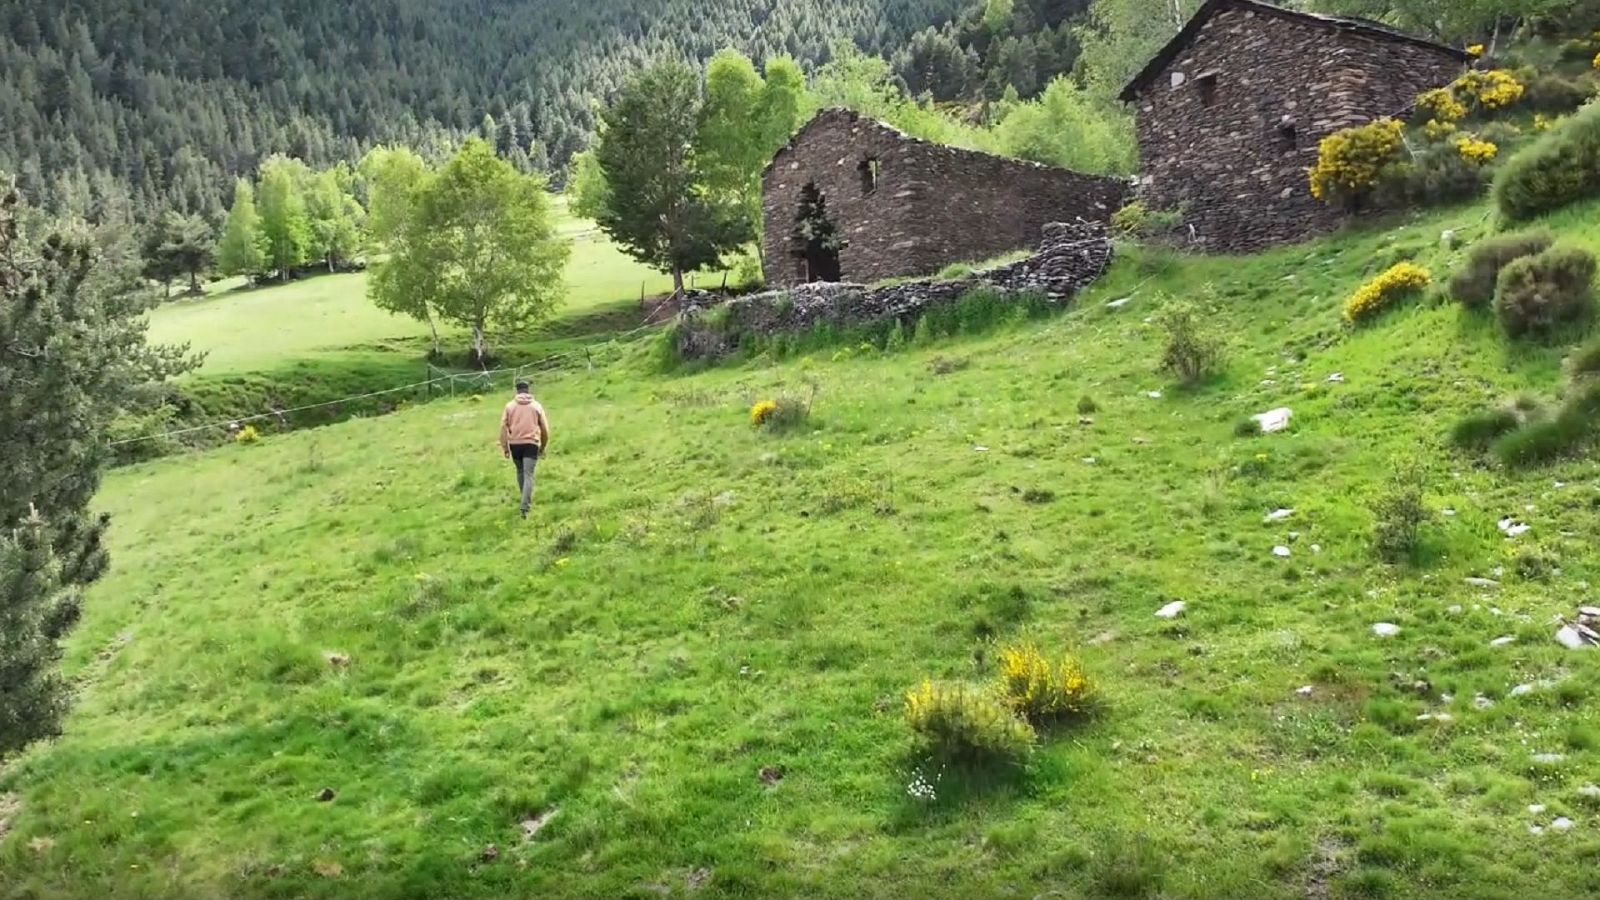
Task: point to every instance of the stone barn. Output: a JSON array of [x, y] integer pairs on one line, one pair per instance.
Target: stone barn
[[853, 199], [1231, 111]]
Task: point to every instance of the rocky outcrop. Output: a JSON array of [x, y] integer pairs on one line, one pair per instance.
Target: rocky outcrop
[[1071, 256]]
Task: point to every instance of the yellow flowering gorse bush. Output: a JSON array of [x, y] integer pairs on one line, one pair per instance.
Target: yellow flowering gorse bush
[[1493, 89], [1394, 284], [1040, 689], [961, 721], [762, 412], [1436, 130], [247, 435], [1476, 150], [1349, 161], [1442, 104], [1475, 50]]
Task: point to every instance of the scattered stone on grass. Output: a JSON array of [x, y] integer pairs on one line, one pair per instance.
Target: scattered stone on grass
[[771, 774], [1511, 527], [1535, 808], [1118, 304], [980, 448], [1304, 691], [1590, 791], [1104, 637], [1454, 609], [1172, 610], [1274, 420], [697, 879], [490, 853], [1336, 378], [326, 795], [1448, 512], [1278, 515], [327, 868], [1481, 702], [1316, 548], [1154, 395], [1281, 552], [1503, 640], [1561, 824], [41, 845], [1483, 582], [1549, 759], [1522, 690], [532, 827], [1089, 460], [336, 659], [1386, 629]]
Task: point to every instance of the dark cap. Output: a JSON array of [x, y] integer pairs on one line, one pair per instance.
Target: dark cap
[[522, 385]]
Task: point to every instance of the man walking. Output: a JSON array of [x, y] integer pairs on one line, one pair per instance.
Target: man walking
[[524, 436]]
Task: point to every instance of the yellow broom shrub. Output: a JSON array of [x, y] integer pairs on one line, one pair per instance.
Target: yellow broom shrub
[[1389, 288]]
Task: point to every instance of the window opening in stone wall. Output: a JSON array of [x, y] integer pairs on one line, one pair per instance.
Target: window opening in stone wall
[[870, 169], [1288, 138], [815, 241], [1207, 86]]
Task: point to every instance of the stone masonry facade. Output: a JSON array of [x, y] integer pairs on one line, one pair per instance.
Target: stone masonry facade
[[904, 207], [1230, 115]]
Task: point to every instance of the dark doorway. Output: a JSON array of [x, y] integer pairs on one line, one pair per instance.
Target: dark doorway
[[815, 239]]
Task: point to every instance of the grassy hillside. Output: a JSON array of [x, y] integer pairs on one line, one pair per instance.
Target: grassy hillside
[[695, 602]]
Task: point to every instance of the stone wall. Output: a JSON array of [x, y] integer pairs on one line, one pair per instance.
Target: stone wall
[[1070, 257], [1235, 156], [928, 206]]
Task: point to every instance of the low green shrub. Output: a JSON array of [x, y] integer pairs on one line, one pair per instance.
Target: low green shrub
[[1561, 167], [1585, 361], [1248, 426], [1539, 295], [1575, 428], [1400, 513], [1138, 220], [1192, 352], [1557, 94], [1433, 176], [782, 414], [1087, 406], [1473, 284], [1477, 431], [960, 722]]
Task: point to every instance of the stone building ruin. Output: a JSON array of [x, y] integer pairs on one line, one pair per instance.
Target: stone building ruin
[[1231, 110], [853, 199]]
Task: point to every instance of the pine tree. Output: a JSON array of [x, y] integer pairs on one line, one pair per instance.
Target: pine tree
[[59, 397], [243, 250]]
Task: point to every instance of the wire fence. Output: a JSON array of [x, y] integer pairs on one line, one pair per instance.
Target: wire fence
[[438, 383]]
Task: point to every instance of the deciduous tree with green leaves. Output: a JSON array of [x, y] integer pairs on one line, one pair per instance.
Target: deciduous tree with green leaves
[[390, 175], [283, 213], [72, 350], [243, 248], [479, 248], [335, 217]]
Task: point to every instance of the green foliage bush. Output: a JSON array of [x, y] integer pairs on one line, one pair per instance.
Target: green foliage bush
[[1433, 176], [1138, 220], [1574, 428], [1561, 167], [1087, 406], [1538, 295], [960, 722], [1192, 352], [1557, 94], [1477, 431], [1585, 361], [1473, 284], [1400, 513]]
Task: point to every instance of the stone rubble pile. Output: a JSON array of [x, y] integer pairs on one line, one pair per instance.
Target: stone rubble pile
[[1071, 256]]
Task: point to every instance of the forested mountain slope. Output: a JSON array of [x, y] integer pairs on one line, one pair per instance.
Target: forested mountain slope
[[145, 104]]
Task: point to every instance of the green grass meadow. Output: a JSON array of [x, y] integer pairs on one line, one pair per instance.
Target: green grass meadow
[[688, 668]]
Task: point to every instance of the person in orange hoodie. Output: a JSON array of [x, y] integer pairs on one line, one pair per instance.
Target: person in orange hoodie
[[524, 437]]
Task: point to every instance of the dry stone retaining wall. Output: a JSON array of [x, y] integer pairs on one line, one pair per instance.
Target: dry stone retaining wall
[[1071, 256]]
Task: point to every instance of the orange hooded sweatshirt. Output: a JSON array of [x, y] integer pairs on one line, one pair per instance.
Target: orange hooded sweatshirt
[[524, 422]]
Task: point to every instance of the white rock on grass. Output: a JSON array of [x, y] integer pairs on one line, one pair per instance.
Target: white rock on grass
[[1118, 304], [1481, 702], [1336, 378], [1561, 824], [1454, 610], [1569, 638], [1274, 420], [1522, 690], [1306, 692], [1536, 829], [1448, 512], [1278, 515], [1281, 552], [1172, 610], [1591, 791], [1386, 629], [1483, 582], [1512, 528], [1535, 808], [1548, 759], [1504, 640], [1154, 395]]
